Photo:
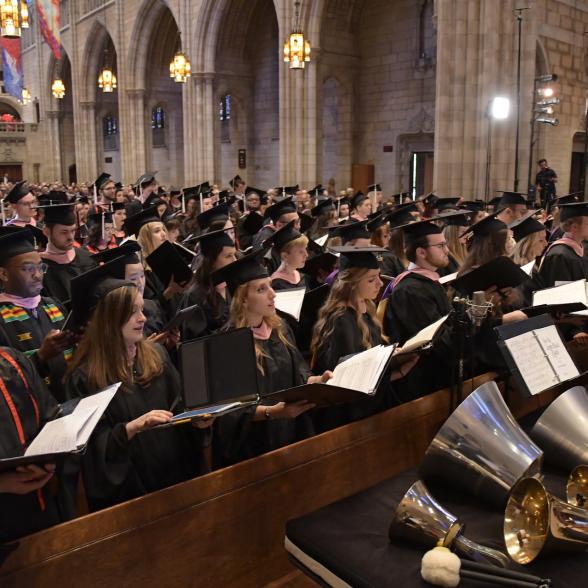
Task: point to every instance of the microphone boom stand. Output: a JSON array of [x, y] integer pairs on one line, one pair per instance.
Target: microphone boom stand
[[461, 328]]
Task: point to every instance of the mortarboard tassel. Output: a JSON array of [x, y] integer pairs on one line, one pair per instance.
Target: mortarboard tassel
[[3, 212], [183, 203], [102, 223]]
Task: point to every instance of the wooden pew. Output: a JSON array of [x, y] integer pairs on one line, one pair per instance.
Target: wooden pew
[[226, 528]]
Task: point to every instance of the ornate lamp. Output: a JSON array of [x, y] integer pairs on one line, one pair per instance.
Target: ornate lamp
[[26, 97], [180, 68], [58, 88], [14, 16], [296, 47], [107, 80]]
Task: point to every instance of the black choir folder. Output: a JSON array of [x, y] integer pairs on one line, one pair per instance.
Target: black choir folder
[[501, 272], [66, 435], [537, 357], [167, 262]]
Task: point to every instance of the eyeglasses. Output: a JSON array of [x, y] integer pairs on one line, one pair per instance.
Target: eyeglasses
[[439, 245], [31, 268]]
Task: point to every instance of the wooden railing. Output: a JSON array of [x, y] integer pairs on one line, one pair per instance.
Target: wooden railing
[[12, 127]]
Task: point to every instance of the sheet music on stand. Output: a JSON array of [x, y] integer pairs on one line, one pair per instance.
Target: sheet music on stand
[[536, 354], [565, 293]]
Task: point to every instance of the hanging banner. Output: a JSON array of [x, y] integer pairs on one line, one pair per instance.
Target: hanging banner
[[49, 15], [12, 67]]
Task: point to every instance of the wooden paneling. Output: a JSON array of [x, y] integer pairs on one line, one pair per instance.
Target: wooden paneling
[[226, 528]]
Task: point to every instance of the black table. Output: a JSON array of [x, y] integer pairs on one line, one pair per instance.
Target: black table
[[346, 543]]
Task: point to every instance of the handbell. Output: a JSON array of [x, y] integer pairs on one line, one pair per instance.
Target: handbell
[[481, 448], [577, 487], [537, 522], [420, 519], [562, 429]]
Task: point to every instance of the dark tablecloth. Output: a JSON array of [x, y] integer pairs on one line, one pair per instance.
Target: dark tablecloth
[[350, 538]]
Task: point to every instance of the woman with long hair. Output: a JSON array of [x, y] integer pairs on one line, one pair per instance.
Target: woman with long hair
[[291, 247], [100, 232], [455, 226], [126, 457], [217, 250], [280, 366]]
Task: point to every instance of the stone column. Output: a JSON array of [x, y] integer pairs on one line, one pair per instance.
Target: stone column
[[132, 134], [55, 171], [86, 141]]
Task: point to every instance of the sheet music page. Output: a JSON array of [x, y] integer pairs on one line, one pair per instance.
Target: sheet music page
[[424, 337], [362, 371], [528, 267], [322, 240], [557, 353], [68, 433], [290, 301], [530, 360], [570, 292], [448, 278]]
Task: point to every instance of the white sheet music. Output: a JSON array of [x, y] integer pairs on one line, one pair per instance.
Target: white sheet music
[[71, 432], [290, 301], [322, 240], [541, 358], [424, 336], [564, 294], [363, 371], [528, 267], [448, 278]]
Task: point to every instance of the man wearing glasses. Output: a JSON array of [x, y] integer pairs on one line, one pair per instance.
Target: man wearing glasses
[[23, 203], [28, 322]]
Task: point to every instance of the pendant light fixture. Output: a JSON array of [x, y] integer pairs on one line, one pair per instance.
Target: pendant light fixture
[[296, 47], [14, 16], [180, 68]]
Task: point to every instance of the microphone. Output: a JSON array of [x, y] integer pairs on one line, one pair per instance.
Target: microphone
[[478, 308]]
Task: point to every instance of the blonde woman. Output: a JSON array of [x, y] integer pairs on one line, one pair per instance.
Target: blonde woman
[[280, 366], [291, 246]]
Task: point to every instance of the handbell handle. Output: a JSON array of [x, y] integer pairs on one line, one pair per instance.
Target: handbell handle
[[480, 553]]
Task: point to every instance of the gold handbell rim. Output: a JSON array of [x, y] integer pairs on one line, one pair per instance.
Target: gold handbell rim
[[578, 477]]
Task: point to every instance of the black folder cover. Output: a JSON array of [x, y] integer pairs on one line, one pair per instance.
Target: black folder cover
[[166, 262], [501, 272]]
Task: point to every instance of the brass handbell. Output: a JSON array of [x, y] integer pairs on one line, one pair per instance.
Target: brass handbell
[[577, 487], [562, 429], [419, 518], [481, 448], [537, 522]]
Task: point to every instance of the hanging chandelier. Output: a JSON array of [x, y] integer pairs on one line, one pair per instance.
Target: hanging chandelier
[[296, 47], [107, 80], [58, 88], [180, 68], [26, 97], [14, 16]]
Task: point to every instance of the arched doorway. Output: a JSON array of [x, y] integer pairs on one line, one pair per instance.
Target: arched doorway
[[66, 121]]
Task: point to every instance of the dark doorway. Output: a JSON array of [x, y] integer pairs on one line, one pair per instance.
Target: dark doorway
[[578, 164], [421, 173], [72, 174], [12, 172]]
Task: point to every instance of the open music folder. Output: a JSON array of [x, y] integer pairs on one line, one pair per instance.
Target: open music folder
[[65, 435], [568, 298], [536, 355]]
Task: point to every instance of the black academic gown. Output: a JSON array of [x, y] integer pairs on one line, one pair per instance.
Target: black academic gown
[[238, 437], [416, 302], [24, 514], [281, 284], [562, 264], [215, 317], [155, 316], [346, 339], [390, 265], [25, 330], [116, 469], [58, 278]]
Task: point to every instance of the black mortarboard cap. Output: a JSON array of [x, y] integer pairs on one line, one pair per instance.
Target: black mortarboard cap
[[134, 222], [18, 191], [325, 261], [512, 198], [249, 267], [167, 262], [574, 210], [153, 200], [317, 191], [252, 223], [488, 225], [494, 202], [96, 218], [83, 200], [473, 205], [51, 198], [568, 198], [456, 218], [375, 188], [357, 199], [284, 206], [89, 288], [203, 189], [60, 214], [287, 190], [401, 215], [526, 226], [251, 189], [15, 242], [118, 206], [212, 242], [445, 203], [282, 236], [350, 231], [414, 231], [127, 252], [218, 212], [118, 186], [145, 179], [376, 220], [236, 179], [362, 257], [501, 272], [324, 206], [101, 181], [306, 222], [431, 199]]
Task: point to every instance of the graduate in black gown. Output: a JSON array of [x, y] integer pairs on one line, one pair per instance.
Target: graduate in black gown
[[29, 322], [127, 457], [347, 324], [26, 505], [564, 260], [291, 246], [64, 261], [269, 425], [217, 250]]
